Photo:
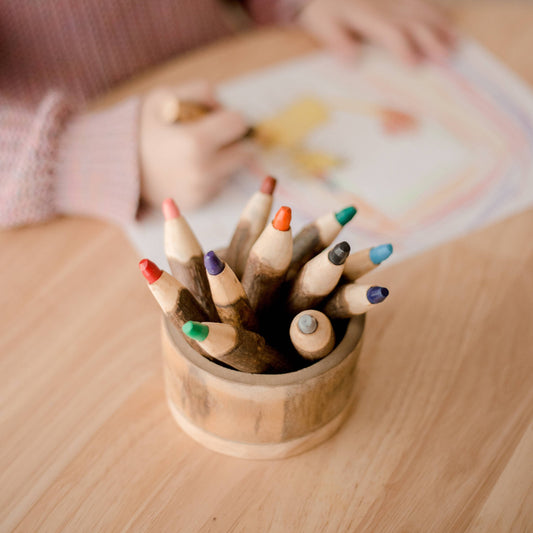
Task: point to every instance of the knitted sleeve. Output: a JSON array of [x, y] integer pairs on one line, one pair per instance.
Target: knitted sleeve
[[54, 161]]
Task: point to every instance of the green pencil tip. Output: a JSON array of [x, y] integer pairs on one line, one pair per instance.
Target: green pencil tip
[[195, 330], [345, 215]]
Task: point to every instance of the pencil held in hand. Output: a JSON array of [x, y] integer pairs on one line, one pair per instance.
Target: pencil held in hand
[[228, 294], [312, 334], [176, 109], [354, 299], [251, 223], [185, 257], [268, 261], [363, 261], [243, 350]]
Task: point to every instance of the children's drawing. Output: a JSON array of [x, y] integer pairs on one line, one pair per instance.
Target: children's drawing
[[425, 153]]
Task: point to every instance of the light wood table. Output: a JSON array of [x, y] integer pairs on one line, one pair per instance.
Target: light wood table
[[440, 436]]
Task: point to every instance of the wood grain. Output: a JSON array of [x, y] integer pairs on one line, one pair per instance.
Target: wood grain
[[439, 438], [259, 415]]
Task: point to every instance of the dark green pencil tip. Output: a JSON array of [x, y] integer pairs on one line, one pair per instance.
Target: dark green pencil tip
[[195, 330], [345, 215]]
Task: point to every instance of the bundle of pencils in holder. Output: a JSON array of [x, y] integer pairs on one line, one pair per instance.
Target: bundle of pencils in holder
[[270, 302]]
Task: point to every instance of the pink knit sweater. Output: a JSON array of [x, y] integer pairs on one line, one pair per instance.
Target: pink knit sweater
[[54, 55]]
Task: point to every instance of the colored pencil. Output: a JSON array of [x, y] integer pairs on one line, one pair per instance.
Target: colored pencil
[[175, 110], [354, 299], [268, 261], [176, 301], [318, 278], [312, 334], [363, 261], [316, 236], [228, 294], [251, 223], [179, 110], [185, 257], [243, 350]]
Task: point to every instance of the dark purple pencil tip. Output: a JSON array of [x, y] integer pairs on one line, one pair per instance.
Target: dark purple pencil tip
[[213, 264], [376, 295]]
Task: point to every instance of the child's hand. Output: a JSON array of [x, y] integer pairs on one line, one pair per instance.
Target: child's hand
[[410, 29], [189, 161]]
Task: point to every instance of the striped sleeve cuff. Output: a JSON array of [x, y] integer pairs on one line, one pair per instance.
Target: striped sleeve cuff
[[97, 170]]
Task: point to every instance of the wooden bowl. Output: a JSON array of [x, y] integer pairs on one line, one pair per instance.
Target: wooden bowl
[[259, 416]]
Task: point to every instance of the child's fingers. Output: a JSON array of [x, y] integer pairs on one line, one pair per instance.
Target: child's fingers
[[336, 37], [156, 99], [447, 35], [431, 13], [218, 129], [428, 41], [227, 162], [434, 17], [196, 90], [389, 35]]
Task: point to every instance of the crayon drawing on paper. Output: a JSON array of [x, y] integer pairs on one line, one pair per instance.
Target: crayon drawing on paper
[[425, 154]]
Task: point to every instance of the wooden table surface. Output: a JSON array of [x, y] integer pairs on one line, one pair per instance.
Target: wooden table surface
[[440, 437]]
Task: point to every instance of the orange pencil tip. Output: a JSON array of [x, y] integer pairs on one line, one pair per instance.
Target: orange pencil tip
[[150, 270], [268, 185], [282, 220], [170, 209]]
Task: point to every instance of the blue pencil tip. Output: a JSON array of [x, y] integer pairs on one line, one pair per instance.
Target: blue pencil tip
[[376, 295], [213, 264], [378, 254]]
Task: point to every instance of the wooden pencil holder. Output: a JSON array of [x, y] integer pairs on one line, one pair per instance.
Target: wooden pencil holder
[[259, 416]]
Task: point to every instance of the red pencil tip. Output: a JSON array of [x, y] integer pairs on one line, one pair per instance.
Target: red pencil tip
[[268, 185], [170, 209], [150, 270], [282, 220]]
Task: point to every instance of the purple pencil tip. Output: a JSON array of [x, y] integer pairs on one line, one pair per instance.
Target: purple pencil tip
[[213, 264]]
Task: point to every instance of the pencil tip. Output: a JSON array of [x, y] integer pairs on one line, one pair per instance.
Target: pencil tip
[[213, 264], [307, 324], [345, 215], [268, 185], [150, 270], [170, 209], [282, 220], [338, 254], [378, 254], [375, 295], [195, 330]]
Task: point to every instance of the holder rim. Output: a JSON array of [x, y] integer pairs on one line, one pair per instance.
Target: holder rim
[[351, 339]]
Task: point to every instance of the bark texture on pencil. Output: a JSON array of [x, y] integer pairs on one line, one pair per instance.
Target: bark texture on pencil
[[316, 236], [228, 294], [185, 257], [268, 261], [175, 300], [251, 223], [239, 348], [318, 278]]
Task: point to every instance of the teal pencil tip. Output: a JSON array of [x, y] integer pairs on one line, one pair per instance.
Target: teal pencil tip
[[195, 330], [378, 254], [345, 215]]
